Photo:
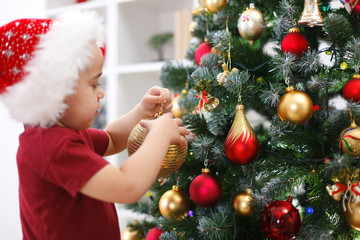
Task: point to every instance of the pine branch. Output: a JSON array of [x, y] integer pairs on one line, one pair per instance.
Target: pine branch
[[217, 225], [175, 75]]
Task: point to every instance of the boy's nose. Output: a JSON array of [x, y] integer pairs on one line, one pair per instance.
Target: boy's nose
[[101, 94]]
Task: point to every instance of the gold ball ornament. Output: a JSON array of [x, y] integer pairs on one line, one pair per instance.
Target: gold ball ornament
[[174, 203], [136, 234], [242, 204], [343, 65], [176, 110], [350, 140], [259, 79], [251, 24], [295, 106], [174, 157], [215, 5], [353, 216]]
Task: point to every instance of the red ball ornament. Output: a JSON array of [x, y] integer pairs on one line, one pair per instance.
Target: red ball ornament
[[351, 90], [201, 50], [154, 234], [280, 220], [294, 42], [241, 145], [205, 190], [356, 9]]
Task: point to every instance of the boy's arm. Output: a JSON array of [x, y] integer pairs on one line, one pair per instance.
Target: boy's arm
[[119, 130]]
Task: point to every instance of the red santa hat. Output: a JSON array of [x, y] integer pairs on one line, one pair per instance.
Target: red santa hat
[[41, 61]]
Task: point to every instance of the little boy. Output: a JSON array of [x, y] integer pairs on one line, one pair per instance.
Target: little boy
[[49, 73]]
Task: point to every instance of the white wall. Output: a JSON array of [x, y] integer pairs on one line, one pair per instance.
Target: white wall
[[10, 227]]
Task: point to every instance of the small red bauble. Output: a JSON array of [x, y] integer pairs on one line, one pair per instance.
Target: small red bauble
[[351, 90], [201, 50], [280, 220], [205, 190], [294, 42], [154, 234], [356, 9]]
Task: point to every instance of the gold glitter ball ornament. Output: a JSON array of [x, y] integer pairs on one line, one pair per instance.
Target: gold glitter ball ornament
[[215, 5], [295, 106], [350, 140], [174, 203], [174, 157], [242, 204], [251, 24]]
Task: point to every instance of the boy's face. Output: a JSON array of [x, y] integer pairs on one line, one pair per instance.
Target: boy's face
[[84, 104]]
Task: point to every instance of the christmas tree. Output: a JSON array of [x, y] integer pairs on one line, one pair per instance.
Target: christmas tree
[[296, 172]]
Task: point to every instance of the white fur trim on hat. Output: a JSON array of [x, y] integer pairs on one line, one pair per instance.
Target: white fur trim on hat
[[52, 74]]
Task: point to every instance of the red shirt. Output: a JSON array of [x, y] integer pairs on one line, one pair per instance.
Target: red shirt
[[53, 164]]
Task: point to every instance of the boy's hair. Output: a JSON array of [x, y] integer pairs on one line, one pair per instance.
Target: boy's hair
[[41, 61]]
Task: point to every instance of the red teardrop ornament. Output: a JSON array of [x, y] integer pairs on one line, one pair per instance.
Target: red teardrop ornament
[[241, 145]]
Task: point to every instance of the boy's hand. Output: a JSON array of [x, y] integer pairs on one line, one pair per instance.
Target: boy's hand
[[169, 127], [152, 100]]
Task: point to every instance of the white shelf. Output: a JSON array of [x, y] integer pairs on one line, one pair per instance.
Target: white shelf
[[139, 68], [57, 7]]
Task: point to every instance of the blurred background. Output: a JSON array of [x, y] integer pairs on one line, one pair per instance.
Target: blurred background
[[140, 36]]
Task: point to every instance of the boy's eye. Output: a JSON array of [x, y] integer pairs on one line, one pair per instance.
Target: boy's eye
[[96, 85]]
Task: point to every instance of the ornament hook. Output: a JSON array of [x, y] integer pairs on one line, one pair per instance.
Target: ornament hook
[[351, 117], [357, 68], [177, 181], [287, 81], [239, 99], [350, 198], [161, 109], [206, 163]]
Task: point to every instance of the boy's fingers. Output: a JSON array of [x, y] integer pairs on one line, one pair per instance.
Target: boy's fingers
[[144, 123]]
